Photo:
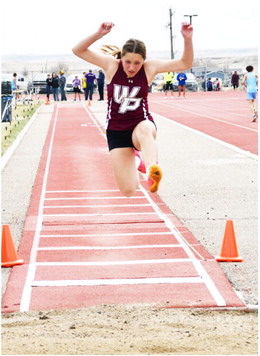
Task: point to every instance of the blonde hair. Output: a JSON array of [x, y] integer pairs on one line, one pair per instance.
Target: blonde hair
[[112, 50], [131, 46]]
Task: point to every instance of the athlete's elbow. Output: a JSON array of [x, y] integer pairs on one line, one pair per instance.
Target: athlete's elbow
[[187, 64], [75, 51]]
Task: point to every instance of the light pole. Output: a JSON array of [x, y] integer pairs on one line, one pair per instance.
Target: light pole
[[171, 37], [190, 16]]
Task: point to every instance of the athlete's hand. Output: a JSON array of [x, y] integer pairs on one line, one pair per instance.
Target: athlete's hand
[[105, 28], [186, 30]]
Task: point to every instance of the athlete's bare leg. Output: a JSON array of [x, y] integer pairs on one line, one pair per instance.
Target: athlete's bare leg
[[143, 138], [123, 162], [253, 109]]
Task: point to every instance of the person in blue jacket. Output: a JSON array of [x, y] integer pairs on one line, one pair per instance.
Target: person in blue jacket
[[182, 77]]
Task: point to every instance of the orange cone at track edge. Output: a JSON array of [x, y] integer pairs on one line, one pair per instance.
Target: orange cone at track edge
[[9, 254], [229, 250]]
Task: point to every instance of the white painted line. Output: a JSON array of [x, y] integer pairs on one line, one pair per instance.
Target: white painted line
[[112, 235], [116, 282], [10, 151], [85, 191], [187, 248], [115, 263], [94, 206], [212, 118], [101, 214], [70, 248], [223, 143], [94, 198], [26, 295]]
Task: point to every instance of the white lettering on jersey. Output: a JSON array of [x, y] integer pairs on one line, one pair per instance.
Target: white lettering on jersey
[[128, 102]]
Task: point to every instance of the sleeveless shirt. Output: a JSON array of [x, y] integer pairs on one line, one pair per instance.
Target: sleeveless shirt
[[127, 100], [251, 83]]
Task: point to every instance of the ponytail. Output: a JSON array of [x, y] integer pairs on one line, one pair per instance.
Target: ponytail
[[112, 50]]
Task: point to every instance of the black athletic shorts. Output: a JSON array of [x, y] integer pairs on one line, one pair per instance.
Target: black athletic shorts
[[119, 139]]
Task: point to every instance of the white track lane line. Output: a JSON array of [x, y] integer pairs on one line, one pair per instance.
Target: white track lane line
[[223, 143], [106, 248], [116, 282], [110, 234], [26, 295], [115, 263]]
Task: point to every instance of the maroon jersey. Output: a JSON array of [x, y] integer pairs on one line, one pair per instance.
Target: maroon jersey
[[127, 100]]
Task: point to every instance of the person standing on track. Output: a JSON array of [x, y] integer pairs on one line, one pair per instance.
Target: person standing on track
[[235, 80], [90, 79], [168, 79], [250, 82], [181, 77], [101, 83], [130, 125]]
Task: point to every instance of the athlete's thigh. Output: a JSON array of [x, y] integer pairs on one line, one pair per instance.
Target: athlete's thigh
[[123, 161], [144, 128]]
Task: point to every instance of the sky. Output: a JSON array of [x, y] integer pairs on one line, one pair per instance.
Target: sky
[[55, 26]]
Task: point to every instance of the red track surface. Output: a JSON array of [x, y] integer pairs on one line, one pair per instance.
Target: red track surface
[[84, 244], [223, 115]]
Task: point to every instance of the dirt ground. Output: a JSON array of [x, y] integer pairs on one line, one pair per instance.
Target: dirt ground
[[130, 330]]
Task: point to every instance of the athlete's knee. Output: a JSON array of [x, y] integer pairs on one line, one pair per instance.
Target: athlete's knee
[[128, 192], [144, 131]]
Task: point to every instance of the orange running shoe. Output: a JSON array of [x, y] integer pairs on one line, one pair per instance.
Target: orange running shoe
[[154, 177]]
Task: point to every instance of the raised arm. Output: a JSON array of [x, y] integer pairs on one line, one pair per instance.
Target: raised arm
[[82, 48], [155, 66]]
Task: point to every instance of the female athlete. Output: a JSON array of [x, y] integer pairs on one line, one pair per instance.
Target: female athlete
[[130, 125]]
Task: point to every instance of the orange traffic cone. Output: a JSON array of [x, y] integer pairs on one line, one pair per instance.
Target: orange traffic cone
[[229, 251], [9, 255], [47, 102]]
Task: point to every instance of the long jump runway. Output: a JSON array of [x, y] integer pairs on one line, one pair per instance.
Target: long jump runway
[[85, 244]]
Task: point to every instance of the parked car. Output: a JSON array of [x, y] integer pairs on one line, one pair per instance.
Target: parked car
[[39, 83], [22, 83], [191, 83]]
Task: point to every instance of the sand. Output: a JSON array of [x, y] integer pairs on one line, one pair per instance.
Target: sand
[[130, 330]]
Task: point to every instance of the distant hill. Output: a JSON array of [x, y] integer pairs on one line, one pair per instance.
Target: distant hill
[[68, 57], [30, 64]]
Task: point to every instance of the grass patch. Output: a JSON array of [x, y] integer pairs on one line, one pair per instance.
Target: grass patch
[[21, 114]]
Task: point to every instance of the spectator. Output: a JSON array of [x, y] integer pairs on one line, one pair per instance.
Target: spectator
[[168, 79], [209, 85], [217, 85], [55, 86], [101, 83], [76, 88], [84, 85], [62, 82], [48, 86], [14, 86], [90, 78], [235, 80], [182, 77]]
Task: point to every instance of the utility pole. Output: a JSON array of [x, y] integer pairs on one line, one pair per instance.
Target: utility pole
[[190, 16], [171, 37]]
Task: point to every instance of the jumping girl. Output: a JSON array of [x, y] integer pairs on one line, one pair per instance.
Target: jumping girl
[[130, 125]]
